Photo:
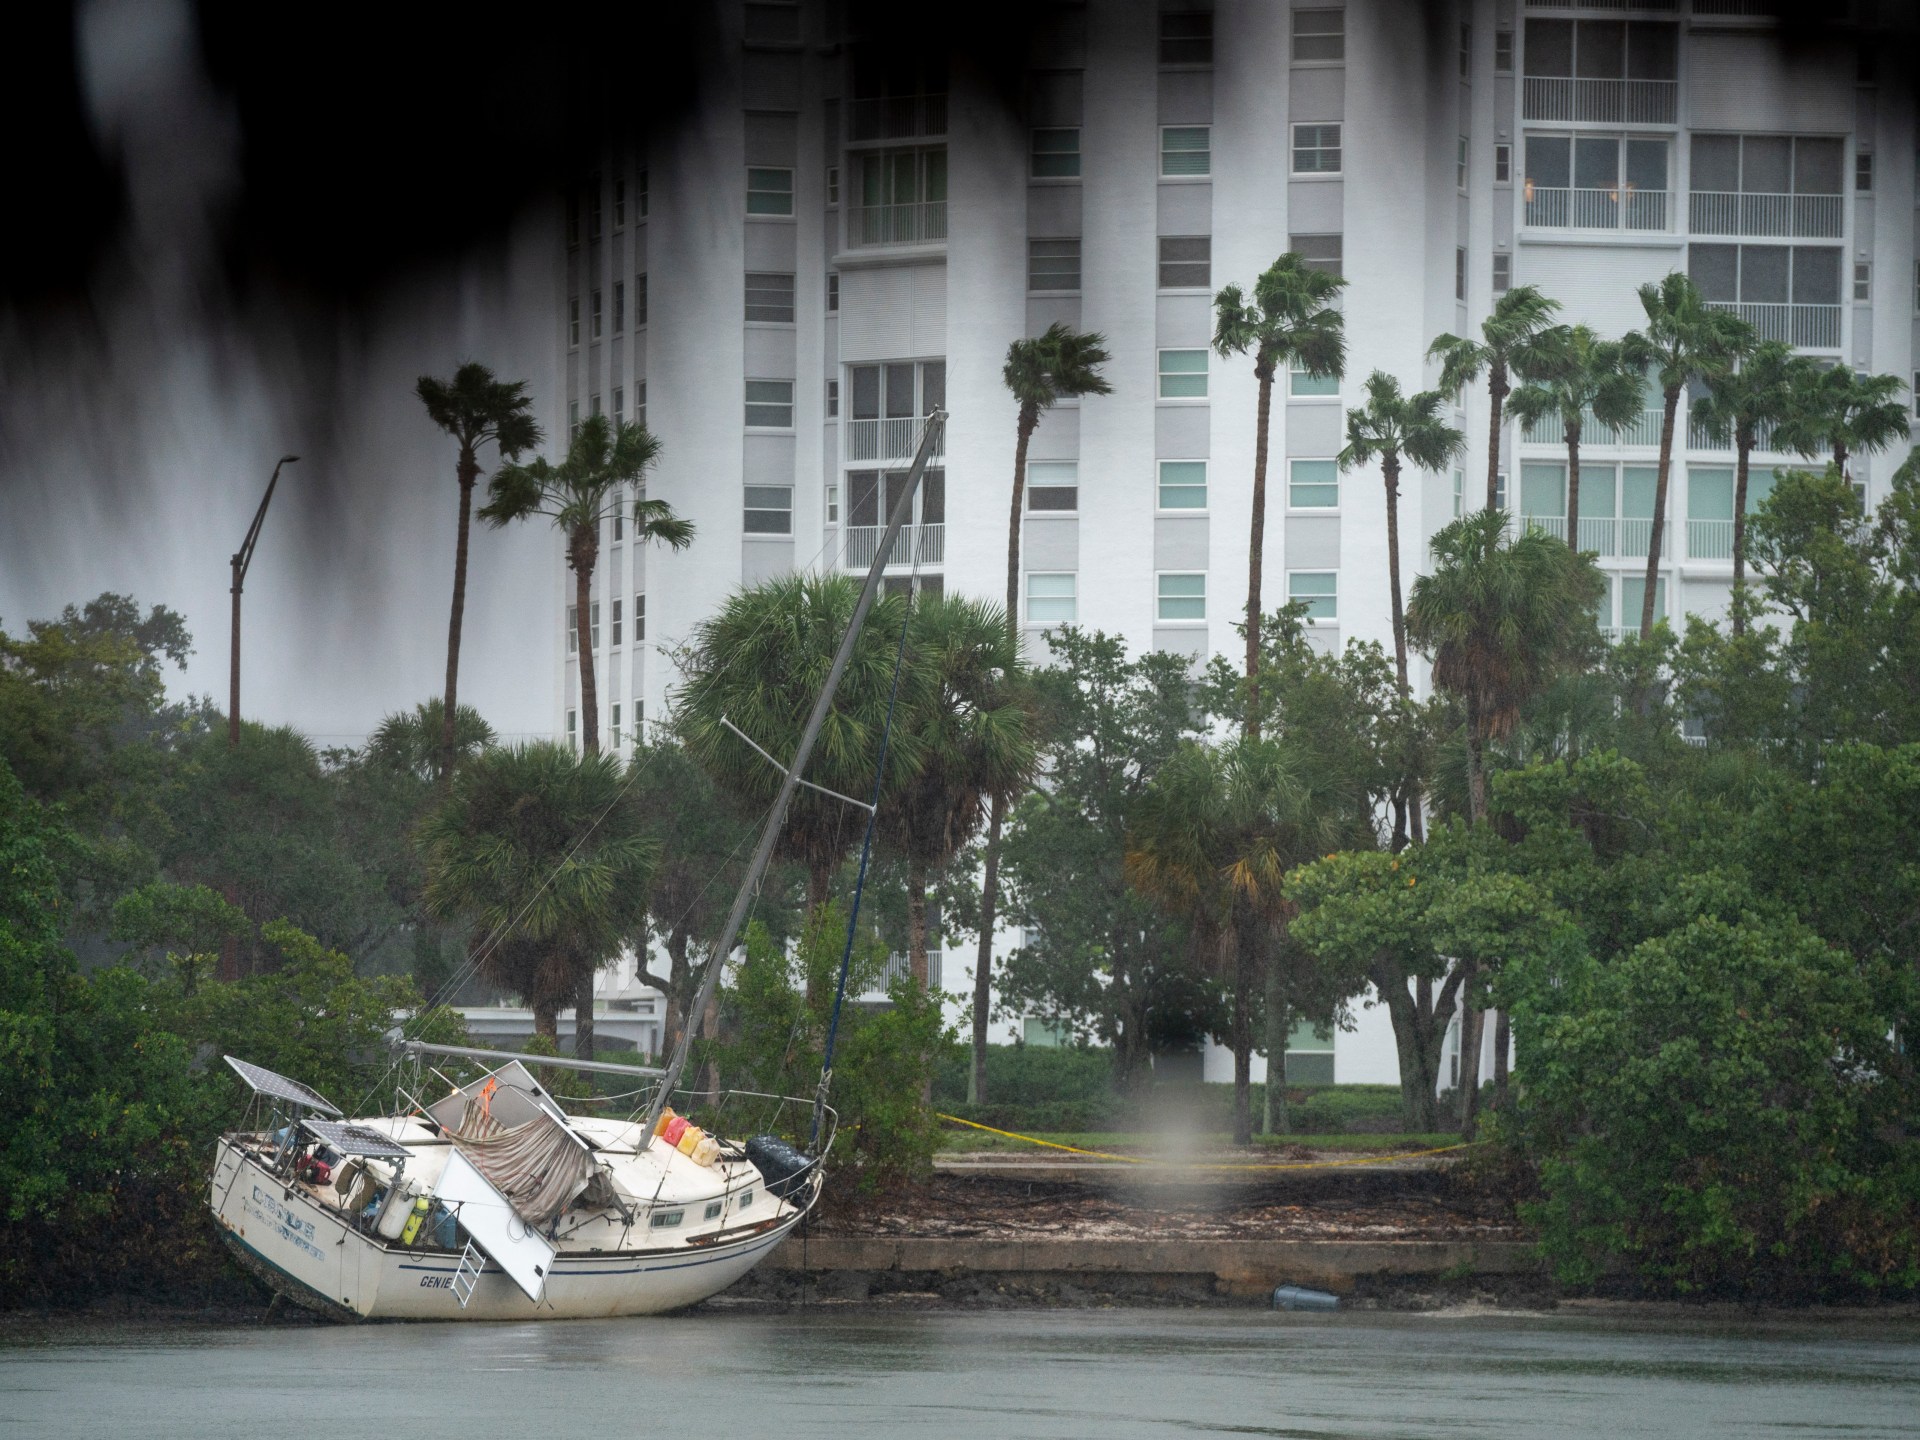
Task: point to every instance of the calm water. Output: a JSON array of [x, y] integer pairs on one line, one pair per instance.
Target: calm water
[[867, 1373]]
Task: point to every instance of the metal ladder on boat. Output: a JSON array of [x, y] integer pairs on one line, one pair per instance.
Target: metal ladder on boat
[[466, 1274]]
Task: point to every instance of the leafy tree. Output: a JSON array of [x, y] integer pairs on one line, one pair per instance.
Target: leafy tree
[[1062, 363], [973, 728], [586, 488], [1392, 428], [1518, 333], [1686, 339], [1739, 405], [760, 662], [1845, 413], [475, 409], [1291, 319], [542, 855], [1575, 375], [186, 924], [1212, 840], [413, 742]]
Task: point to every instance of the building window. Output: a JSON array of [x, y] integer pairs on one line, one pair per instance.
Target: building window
[[1302, 386], [1055, 155], [1503, 52], [1915, 393], [1459, 492], [833, 185], [639, 618], [1319, 36], [1052, 598], [833, 291], [1607, 182], [770, 404], [769, 192], [1319, 591], [640, 403], [573, 320], [1186, 261], [593, 625], [593, 208], [1318, 252], [1186, 37], [619, 306], [1502, 272], [1316, 149], [1183, 484], [639, 299], [573, 729], [769, 298], [619, 406], [1183, 374], [593, 404], [1460, 165], [1181, 597], [1602, 71], [1053, 486], [1787, 292], [595, 316], [833, 399], [573, 418], [1186, 150], [833, 505], [619, 202], [1503, 164], [902, 198], [769, 510], [1460, 273], [1313, 484], [573, 629], [615, 617], [614, 726], [641, 196], [1863, 172], [1862, 280], [1053, 264]]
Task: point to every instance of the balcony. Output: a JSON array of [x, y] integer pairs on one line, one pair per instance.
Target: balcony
[[1644, 429], [916, 545], [900, 967], [1602, 535], [918, 222], [1614, 209], [896, 117], [1710, 539], [1786, 217], [896, 439], [1698, 438], [1806, 327], [1635, 534], [1568, 98]]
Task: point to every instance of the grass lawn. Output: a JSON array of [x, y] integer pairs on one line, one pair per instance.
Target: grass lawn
[[955, 1140]]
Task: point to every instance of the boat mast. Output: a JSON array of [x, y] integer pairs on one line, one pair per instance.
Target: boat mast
[[763, 853]]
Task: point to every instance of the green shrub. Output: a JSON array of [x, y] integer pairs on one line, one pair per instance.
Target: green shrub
[[1026, 1075]]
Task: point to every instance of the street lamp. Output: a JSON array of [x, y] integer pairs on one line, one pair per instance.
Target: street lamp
[[242, 558]]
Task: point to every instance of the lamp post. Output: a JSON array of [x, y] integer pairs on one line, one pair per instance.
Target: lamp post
[[242, 558]]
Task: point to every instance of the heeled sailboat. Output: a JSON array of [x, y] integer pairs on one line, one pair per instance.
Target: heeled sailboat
[[494, 1202]]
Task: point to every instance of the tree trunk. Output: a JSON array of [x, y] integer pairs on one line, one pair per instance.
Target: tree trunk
[[1659, 510], [1241, 1029], [983, 956], [1840, 458], [1273, 1112], [709, 1032], [583, 1015], [1390, 468], [1472, 1022], [1573, 484], [819, 885], [1497, 394], [1256, 550], [1476, 769], [581, 557], [917, 920], [468, 474], [1029, 417], [1743, 453], [1420, 1020], [1502, 1042], [546, 1021]]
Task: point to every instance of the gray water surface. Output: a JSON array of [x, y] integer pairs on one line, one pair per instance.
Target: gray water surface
[[828, 1372]]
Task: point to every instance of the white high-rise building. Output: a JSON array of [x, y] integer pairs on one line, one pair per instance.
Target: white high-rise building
[[841, 236]]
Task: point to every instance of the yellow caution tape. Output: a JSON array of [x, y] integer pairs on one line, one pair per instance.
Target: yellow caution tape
[[1218, 1165]]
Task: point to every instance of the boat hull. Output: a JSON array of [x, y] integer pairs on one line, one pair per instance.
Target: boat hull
[[308, 1253]]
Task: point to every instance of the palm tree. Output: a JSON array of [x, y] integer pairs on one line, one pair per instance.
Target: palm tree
[[413, 740], [1847, 414], [974, 727], [1212, 840], [473, 408], [1739, 404], [540, 853], [1060, 364], [581, 491], [1686, 339], [1519, 330], [1577, 377], [760, 662], [1290, 319], [1500, 619], [1392, 427]]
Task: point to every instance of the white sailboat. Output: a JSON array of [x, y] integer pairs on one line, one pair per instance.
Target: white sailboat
[[493, 1202]]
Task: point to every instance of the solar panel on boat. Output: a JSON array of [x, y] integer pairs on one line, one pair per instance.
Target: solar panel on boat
[[351, 1139], [265, 1082]]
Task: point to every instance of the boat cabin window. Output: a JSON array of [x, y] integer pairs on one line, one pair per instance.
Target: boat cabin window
[[663, 1218], [746, 1199], [713, 1210]]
